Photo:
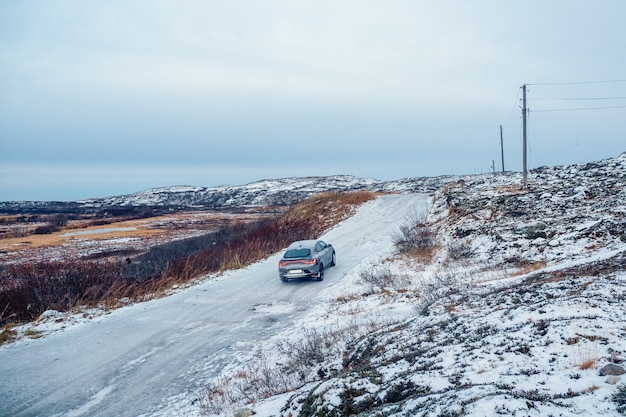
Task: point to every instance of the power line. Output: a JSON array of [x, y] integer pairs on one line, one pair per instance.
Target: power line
[[515, 104], [526, 111], [579, 108], [517, 132], [578, 98], [582, 82]]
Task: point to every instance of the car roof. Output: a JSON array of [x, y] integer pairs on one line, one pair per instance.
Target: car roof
[[310, 244]]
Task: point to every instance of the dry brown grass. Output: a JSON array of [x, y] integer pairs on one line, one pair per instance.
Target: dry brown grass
[[424, 255], [588, 364], [29, 288], [330, 208], [7, 334], [70, 233], [511, 189], [585, 355], [149, 230], [530, 267], [342, 299], [8, 218]]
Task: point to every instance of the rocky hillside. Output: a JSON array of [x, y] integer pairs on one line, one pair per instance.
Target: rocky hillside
[[516, 308], [276, 192]]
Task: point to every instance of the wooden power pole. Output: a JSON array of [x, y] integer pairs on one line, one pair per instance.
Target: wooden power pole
[[524, 111], [502, 148]]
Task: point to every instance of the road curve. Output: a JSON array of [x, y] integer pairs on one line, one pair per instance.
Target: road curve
[[128, 362]]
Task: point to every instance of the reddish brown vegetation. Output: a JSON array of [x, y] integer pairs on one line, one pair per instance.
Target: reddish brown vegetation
[[29, 289]]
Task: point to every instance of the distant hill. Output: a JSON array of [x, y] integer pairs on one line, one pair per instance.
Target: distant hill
[[268, 192], [271, 192]]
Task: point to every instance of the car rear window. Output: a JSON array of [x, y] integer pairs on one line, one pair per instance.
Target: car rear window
[[298, 253]]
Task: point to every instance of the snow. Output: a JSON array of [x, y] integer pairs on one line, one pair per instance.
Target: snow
[[100, 230], [480, 336], [134, 360], [518, 325], [259, 193]]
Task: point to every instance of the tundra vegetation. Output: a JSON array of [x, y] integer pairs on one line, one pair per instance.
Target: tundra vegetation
[[28, 289], [499, 301], [516, 302]]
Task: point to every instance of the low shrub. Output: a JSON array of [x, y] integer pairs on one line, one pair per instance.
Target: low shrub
[[257, 380], [434, 288], [6, 335], [301, 362], [619, 398], [460, 251], [27, 290], [415, 236], [46, 229], [376, 277], [382, 278]]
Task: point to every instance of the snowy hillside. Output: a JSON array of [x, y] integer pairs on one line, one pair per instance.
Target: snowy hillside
[[261, 193], [520, 311], [270, 192], [284, 191]]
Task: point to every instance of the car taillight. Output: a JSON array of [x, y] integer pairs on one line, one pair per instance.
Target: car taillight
[[310, 262]]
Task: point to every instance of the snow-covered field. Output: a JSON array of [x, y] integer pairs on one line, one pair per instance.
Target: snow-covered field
[[516, 310]]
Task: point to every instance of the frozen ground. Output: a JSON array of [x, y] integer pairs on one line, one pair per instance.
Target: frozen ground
[[515, 311], [145, 357]]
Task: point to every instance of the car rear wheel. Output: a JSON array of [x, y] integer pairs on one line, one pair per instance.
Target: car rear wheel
[[320, 274]]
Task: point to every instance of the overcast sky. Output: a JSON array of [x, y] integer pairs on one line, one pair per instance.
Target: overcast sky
[[102, 98]]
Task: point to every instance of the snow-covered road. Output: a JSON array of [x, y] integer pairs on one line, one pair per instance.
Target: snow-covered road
[[129, 362]]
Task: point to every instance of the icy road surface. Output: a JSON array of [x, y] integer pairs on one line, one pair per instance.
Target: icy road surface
[[130, 362]]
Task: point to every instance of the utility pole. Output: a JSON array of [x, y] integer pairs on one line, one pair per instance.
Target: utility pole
[[524, 111], [502, 148]]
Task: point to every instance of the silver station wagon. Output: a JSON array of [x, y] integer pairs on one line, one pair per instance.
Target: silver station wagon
[[306, 259]]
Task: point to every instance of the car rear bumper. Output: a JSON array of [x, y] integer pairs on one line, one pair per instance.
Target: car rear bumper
[[298, 273]]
